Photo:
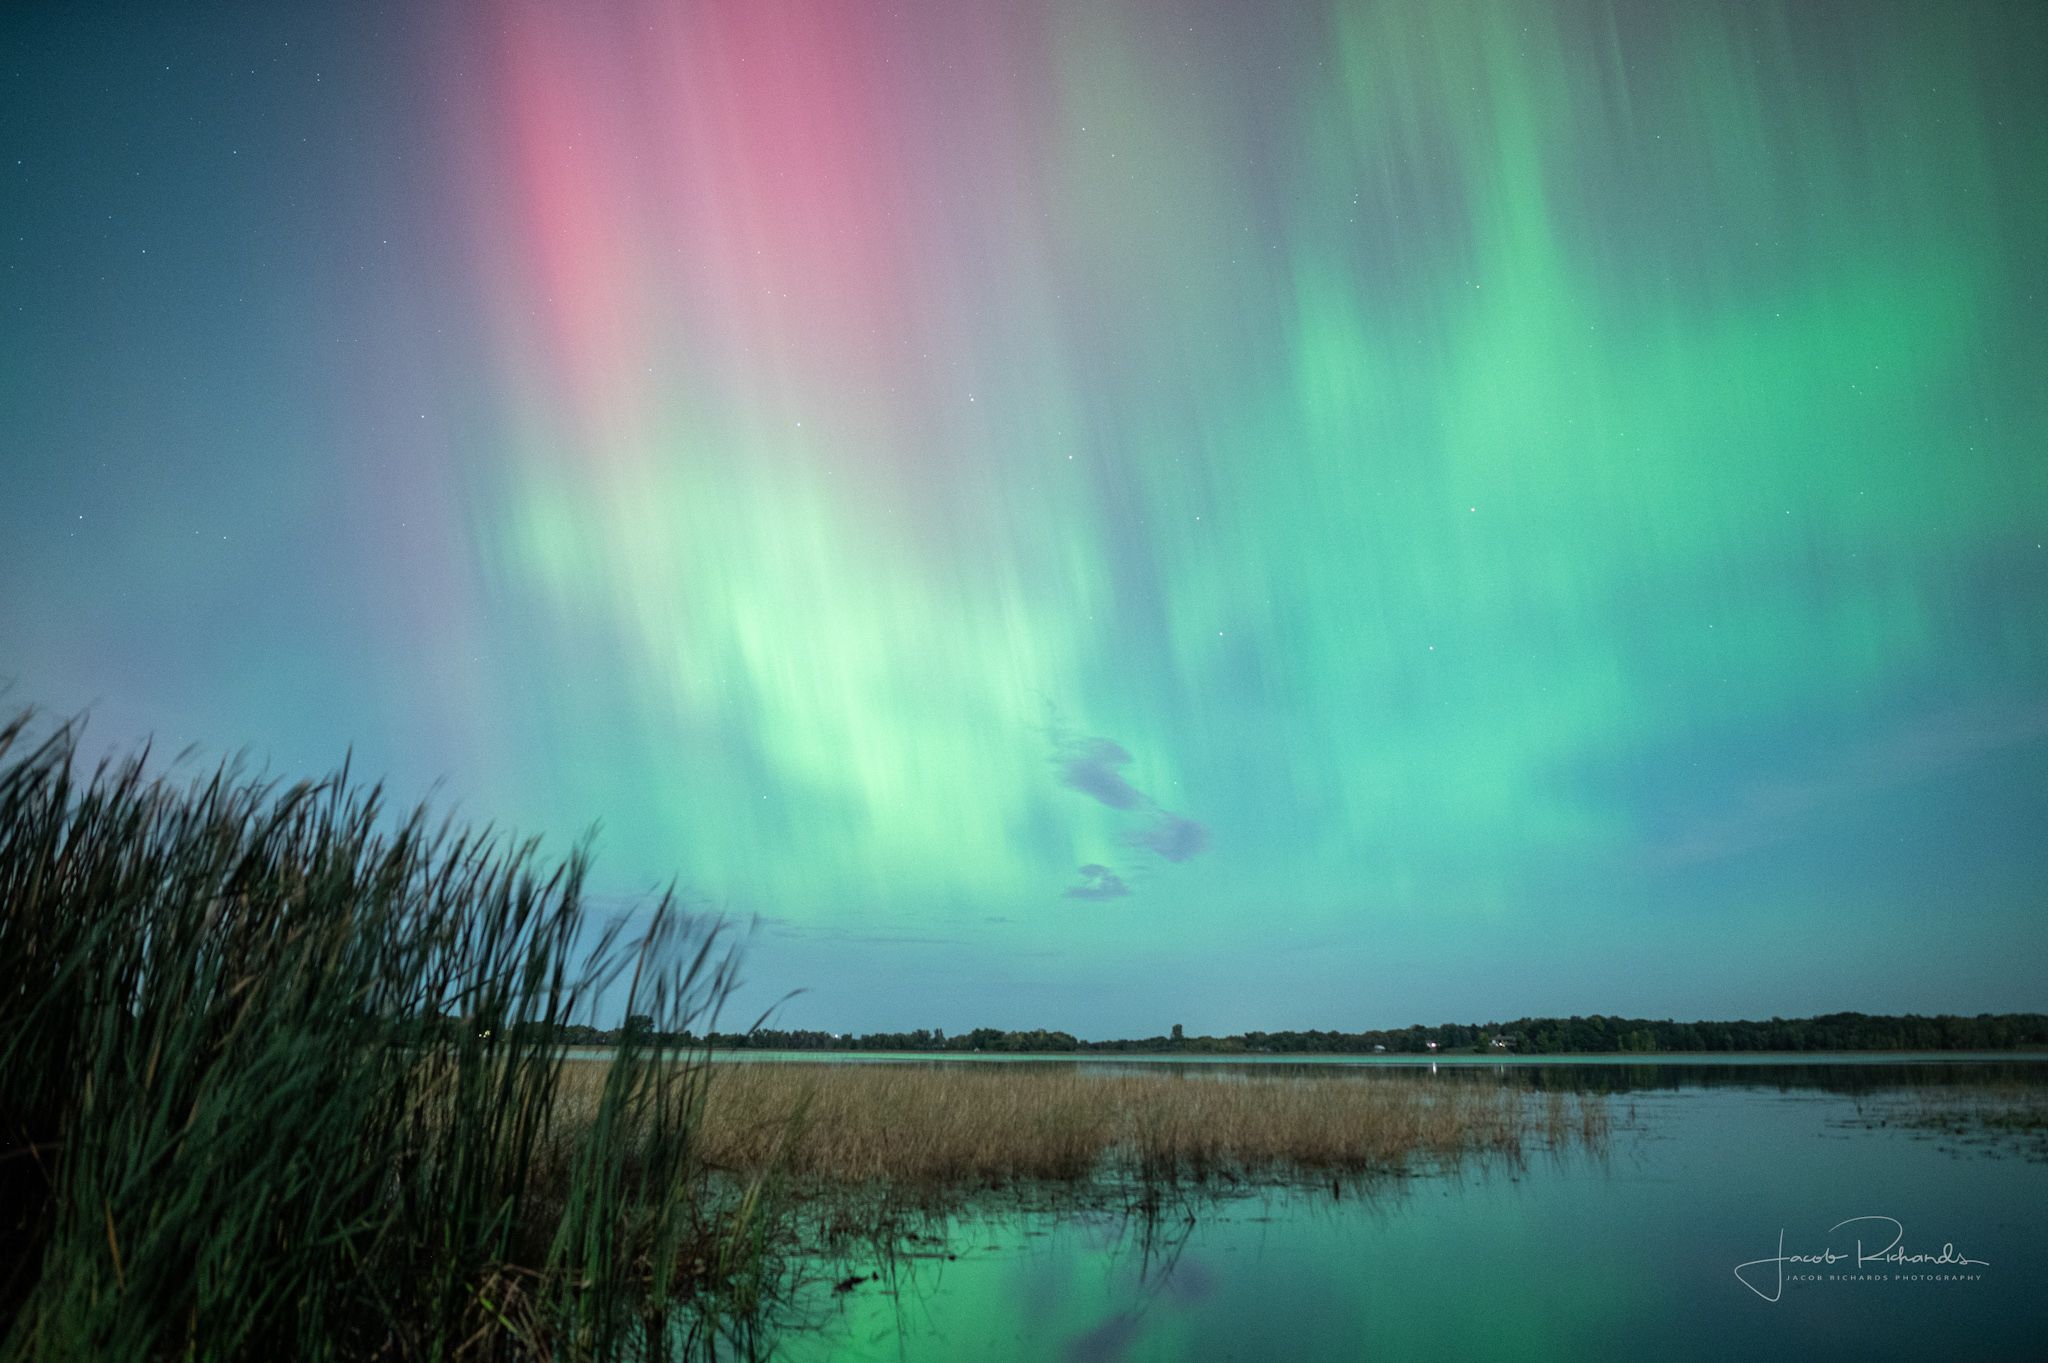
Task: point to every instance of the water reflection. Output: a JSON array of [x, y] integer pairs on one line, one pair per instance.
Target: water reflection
[[1570, 1255], [1828, 1073]]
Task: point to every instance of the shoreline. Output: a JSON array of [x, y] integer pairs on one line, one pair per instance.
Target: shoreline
[[1405, 1059]]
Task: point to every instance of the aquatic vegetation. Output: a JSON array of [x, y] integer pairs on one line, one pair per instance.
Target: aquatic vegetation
[[2001, 1116], [948, 1126], [280, 1073]]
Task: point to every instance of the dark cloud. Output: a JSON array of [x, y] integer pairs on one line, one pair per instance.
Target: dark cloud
[[1098, 882], [1172, 837], [1094, 767], [1090, 765]]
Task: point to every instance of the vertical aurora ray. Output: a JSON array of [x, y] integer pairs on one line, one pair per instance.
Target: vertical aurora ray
[[776, 459]]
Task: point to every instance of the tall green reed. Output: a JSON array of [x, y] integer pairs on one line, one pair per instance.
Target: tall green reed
[[279, 1078]]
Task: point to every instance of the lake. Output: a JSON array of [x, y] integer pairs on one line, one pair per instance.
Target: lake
[[1630, 1253]]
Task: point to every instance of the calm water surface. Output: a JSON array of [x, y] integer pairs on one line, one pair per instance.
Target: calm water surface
[[1630, 1255]]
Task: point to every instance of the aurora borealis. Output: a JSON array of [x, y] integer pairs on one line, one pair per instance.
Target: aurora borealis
[[1087, 515]]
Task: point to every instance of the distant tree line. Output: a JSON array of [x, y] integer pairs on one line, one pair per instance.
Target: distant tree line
[[1594, 1035]]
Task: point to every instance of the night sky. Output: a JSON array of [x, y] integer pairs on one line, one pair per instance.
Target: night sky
[[1085, 515]]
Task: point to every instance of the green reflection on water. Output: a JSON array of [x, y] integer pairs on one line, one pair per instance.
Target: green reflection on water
[[1630, 1255]]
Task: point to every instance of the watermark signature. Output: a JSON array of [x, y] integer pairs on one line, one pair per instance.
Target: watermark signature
[[1893, 1263]]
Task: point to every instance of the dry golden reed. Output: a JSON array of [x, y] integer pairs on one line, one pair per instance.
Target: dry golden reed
[[924, 1124]]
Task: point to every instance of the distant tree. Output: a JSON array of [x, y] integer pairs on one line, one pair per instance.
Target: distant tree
[[1531, 1036]]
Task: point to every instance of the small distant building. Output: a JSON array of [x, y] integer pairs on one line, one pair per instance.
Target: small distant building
[[1429, 1045], [1502, 1043], [1379, 1050]]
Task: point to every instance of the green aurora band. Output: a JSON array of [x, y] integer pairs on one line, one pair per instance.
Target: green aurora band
[[1309, 515]]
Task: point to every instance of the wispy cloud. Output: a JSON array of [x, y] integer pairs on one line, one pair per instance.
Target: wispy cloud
[[1098, 882], [779, 926], [1172, 837], [1091, 766], [1094, 766]]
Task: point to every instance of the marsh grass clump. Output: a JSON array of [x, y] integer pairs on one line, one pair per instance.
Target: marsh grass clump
[[1991, 1117], [939, 1127], [279, 1079]]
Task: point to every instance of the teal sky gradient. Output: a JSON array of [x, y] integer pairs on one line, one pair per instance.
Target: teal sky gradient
[[1086, 515]]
